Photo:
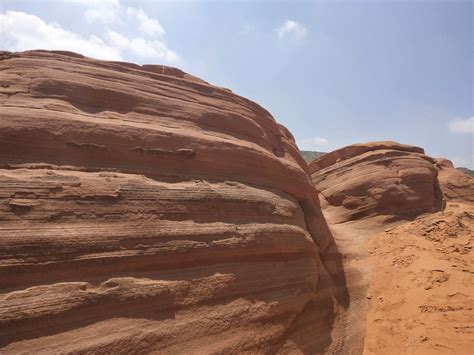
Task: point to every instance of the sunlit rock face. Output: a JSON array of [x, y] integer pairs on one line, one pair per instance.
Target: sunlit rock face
[[377, 179], [456, 185], [143, 209]]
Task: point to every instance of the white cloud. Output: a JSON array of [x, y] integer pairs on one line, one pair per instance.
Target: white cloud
[[20, 31], [460, 125], [111, 11], [147, 25], [314, 143], [102, 11], [141, 47], [117, 39], [291, 27]]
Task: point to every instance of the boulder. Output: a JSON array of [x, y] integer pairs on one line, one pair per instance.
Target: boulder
[[377, 179], [456, 185]]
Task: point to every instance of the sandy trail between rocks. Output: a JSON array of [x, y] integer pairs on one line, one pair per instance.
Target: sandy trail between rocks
[[349, 329], [409, 283]]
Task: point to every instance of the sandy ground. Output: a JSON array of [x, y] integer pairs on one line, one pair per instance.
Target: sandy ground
[[410, 284], [421, 293]]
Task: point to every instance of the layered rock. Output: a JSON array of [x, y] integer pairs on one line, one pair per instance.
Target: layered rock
[[456, 185], [377, 179], [143, 209], [394, 267]]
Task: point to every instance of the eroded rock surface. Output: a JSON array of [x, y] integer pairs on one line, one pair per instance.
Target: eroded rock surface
[[377, 179], [407, 257], [143, 209], [455, 185]]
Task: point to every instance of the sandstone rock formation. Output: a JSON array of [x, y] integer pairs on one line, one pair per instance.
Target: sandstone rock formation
[[455, 185], [143, 209], [407, 257], [377, 179]]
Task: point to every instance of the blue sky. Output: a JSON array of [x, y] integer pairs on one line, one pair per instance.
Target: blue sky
[[333, 72]]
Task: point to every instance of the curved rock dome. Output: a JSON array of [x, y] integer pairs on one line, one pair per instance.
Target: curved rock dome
[[143, 209], [377, 179]]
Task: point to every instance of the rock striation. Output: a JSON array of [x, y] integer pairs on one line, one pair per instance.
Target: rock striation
[[456, 185], [403, 222], [377, 179], [143, 209]]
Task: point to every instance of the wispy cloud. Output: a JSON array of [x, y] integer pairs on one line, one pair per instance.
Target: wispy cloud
[[460, 125], [246, 29], [102, 11], [141, 47], [22, 31], [314, 143], [291, 27], [147, 25]]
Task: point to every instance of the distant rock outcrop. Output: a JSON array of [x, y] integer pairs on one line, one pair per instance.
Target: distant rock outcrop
[[380, 178], [456, 185], [310, 155], [466, 171], [143, 209]]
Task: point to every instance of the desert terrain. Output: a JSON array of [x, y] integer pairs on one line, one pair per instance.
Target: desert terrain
[[145, 210], [421, 292], [404, 223]]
